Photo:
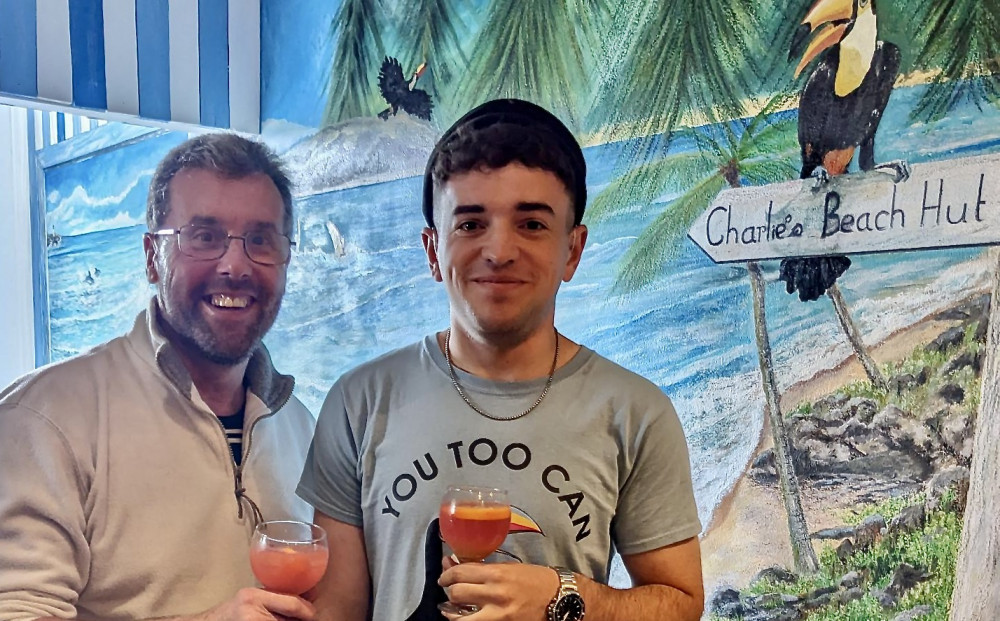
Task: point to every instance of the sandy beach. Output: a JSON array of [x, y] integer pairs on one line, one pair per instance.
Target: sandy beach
[[749, 529]]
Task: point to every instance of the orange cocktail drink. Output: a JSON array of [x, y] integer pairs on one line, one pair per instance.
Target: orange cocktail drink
[[474, 531], [474, 522]]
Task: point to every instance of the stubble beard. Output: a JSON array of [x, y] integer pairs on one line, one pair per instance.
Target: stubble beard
[[196, 334], [507, 333]]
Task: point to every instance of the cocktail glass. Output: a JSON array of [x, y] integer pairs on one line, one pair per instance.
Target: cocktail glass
[[287, 556], [474, 522]]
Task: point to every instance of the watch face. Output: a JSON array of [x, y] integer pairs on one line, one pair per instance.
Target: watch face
[[569, 608]]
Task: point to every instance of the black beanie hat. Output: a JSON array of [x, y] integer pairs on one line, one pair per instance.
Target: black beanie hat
[[530, 117]]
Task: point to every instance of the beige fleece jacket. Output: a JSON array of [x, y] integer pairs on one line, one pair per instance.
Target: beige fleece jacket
[[118, 492]]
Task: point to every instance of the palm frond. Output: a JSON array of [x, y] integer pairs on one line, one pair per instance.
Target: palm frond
[[528, 50], [680, 58], [647, 182], [707, 143], [660, 242], [766, 115], [627, 21], [357, 55], [774, 69], [776, 137], [592, 19], [772, 170], [684, 56], [435, 32], [960, 41]]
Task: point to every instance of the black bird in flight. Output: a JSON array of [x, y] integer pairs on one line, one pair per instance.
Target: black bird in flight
[[399, 92]]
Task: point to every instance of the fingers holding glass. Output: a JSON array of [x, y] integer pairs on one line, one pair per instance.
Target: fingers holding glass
[[474, 523]]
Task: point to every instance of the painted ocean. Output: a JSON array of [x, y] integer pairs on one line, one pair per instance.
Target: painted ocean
[[361, 287]]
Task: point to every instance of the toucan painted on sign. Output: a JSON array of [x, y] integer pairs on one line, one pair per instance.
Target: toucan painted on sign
[[839, 112]]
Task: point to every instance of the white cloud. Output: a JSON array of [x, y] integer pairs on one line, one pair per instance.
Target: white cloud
[[81, 213]]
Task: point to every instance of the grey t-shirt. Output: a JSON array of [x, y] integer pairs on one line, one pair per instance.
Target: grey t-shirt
[[601, 464]]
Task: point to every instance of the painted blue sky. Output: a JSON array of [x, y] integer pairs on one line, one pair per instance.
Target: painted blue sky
[[107, 191], [296, 52]]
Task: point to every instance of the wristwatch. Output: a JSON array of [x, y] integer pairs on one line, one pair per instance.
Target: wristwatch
[[567, 605]]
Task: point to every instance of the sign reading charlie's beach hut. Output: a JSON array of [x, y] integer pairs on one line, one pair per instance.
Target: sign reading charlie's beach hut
[[942, 204]]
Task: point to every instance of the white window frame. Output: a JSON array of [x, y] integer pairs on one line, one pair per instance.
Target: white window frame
[[17, 322]]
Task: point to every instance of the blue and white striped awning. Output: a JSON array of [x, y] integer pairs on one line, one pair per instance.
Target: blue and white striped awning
[[190, 61]]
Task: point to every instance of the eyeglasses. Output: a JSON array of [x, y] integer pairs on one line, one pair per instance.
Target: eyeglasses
[[208, 242]]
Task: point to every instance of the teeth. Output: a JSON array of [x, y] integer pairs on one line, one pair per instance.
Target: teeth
[[229, 302]]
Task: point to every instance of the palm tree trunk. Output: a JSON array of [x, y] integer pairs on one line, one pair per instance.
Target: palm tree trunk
[[802, 550], [977, 579], [854, 336]]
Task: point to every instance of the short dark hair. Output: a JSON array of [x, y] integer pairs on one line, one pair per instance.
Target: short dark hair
[[502, 131], [229, 155]]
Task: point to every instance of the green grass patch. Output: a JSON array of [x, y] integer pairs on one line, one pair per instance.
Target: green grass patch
[[916, 399], [934, 549], [865, 390], [804, 409], [887, 508]]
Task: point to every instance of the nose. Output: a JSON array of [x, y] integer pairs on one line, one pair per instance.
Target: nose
[[500, 245], [235, 263]]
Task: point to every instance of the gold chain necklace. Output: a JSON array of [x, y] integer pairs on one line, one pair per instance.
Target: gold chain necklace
[[476, 408]]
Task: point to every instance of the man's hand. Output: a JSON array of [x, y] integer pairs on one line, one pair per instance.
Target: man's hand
[[260, 605], [501, 591]]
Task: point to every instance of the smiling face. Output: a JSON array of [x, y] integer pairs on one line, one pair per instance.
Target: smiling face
[[217, 310], [504, 243]]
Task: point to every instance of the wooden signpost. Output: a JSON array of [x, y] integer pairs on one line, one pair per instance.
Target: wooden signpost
[[942, 204]]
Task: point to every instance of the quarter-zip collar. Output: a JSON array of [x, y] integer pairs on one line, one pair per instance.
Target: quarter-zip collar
[[272, 388], [267, 392]]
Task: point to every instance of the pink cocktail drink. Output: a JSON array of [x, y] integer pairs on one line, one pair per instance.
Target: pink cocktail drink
[[291, 569], [288, 557]]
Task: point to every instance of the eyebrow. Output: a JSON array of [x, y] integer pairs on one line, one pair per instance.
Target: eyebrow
[[256, 225], [525, 207], [203, 220]]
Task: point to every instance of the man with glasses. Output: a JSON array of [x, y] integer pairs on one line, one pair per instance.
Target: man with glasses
[[132, 476]]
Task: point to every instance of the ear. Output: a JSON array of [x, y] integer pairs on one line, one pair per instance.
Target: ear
[[577, 240], [149, 247], [429, 237]]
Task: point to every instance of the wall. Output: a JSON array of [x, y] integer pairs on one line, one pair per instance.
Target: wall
[[674, 103], [184, 61], [16, 311]]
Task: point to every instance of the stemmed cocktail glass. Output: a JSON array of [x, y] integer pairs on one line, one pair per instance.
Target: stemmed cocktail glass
[[474, 522]]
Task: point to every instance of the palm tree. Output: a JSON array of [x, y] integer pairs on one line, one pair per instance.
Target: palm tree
[[755, 151], [358, 52], [854, 338], [959, 40], [535, 51], [665, 59], [977, 570], [434, 31]]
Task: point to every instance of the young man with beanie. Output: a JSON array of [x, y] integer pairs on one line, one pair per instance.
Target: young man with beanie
[[593, 456]]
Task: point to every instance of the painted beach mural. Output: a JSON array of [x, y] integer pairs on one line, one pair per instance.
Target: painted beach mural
[[829, 394]]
